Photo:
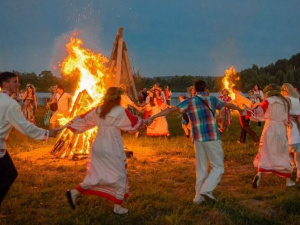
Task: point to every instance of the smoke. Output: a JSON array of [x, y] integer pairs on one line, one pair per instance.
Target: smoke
[[224, 56], [83, 20]]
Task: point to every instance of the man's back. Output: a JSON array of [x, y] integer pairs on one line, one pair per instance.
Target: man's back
[[201, 111]]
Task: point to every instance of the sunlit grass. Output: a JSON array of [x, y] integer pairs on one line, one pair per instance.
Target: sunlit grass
[[162, 179]]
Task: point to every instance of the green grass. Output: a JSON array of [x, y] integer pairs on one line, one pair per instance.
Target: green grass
[[162, 179]]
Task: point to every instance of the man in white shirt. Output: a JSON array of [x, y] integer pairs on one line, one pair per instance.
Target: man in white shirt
[[63, 101], [12, 117]]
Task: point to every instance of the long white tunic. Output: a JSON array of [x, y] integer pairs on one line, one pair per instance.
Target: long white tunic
[[273, 154], [293, 132], [11, 116], [106, 167]]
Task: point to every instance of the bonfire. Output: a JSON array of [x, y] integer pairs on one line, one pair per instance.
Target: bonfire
[[93, 73], [228, 80]]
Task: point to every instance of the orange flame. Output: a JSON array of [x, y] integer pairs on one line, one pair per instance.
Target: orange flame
[[92, 72], [89, 66], [227, 80]]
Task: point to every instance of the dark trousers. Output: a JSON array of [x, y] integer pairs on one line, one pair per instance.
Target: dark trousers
[[8, 174], [246, 129]]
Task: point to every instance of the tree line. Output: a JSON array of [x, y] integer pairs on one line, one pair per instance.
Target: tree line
[[43, 81], [282, 71]]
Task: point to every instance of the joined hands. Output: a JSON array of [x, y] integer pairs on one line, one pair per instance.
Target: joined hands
[[148, 121]]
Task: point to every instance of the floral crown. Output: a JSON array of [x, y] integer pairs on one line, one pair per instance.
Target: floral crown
[[118, 93], [31, 86], [272, 90]]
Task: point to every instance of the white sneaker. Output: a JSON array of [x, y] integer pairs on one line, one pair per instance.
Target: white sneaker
[[290, 183], [209, 197], [119, 210], [199, 199]]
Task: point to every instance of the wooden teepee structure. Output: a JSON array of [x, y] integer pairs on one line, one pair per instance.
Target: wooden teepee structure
[[77, 146], [119, 66]]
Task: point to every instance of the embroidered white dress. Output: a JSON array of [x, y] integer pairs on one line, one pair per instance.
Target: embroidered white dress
[[273, 154], [106, 167], [293, 132]]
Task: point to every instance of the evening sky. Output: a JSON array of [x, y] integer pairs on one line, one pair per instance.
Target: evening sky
[[164, 38]]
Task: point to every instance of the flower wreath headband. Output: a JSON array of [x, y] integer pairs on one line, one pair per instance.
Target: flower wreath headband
[[272, 91], [31, 86], [118, 93]]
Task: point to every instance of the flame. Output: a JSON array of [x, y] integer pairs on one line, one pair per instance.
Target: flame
[[227, 80], [89, 66], [91, 70]]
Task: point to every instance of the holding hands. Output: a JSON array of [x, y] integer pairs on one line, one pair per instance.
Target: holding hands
[[54, 132], [148, 121]]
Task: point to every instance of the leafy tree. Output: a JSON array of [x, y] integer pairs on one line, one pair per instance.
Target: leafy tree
[[45, 80]]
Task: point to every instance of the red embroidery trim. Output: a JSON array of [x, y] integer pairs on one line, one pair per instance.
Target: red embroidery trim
[[264, 105], [287, 175], [101, 194], [133, 119]]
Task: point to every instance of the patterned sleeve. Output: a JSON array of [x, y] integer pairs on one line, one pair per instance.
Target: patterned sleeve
[[129, 122], [258, 112], [84, 122], [218, 103], [183, 106]]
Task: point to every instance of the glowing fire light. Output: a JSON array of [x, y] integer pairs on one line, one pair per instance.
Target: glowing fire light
[[89, 66], [92, 72], [227, 80]]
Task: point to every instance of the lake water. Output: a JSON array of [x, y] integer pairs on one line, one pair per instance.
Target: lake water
[[175, 96], [41, 97]]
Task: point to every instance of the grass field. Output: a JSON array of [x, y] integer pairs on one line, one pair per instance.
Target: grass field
[[162, 179]]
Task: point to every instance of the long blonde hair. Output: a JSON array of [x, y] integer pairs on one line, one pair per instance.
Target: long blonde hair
[[289, 90]]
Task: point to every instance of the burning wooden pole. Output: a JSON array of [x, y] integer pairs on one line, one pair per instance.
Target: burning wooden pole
[[73, 145], [97, 74]]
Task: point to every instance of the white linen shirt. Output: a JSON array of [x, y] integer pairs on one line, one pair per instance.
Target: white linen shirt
[[63, 102], [11, 116]]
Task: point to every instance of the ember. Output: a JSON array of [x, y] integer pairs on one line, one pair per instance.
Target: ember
[[92, 72], [96, 73]]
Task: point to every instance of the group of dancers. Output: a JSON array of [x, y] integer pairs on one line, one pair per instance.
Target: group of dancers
[[106, 169]]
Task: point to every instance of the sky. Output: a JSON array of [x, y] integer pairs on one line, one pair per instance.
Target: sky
[[163, 37]]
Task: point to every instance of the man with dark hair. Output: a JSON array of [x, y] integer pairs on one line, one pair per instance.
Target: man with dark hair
[[11, 116], [240, 100], [201, 110]]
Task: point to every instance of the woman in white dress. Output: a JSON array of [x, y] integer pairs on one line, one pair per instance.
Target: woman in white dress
[[293, 134], [273, 153], [106, 168]]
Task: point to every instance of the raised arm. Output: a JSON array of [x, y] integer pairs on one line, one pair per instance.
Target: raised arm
[[233, 107], [162, 113]]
